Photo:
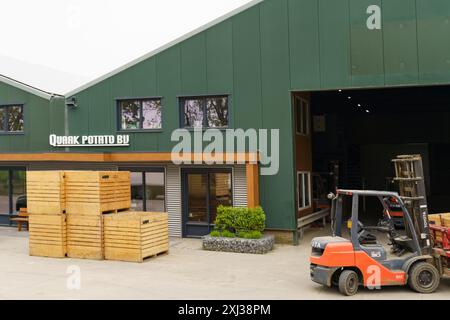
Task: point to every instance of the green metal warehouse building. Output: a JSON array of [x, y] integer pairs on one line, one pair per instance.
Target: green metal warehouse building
[[349, 84]]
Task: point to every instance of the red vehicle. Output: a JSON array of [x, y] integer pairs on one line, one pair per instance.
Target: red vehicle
[[363, 260]]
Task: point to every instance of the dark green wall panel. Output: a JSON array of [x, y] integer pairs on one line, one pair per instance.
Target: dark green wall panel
[[400, 42], [247, 101], [144, 79], [219, 63], [433, 25], [304, 44], [193, 65], [39, 121], [277, 111], [169, 85], [335, 68], [367, 63]]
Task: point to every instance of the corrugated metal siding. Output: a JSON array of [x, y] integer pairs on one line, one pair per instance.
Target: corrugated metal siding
[[173, 200], [240, 187]]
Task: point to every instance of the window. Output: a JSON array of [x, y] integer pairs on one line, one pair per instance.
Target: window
[[208, 112], [12, 190], [304, 190], [147, 189], [301, 116], [140, 114], [11, 118]]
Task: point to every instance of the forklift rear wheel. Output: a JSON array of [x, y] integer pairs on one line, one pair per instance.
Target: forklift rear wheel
[[348, 282], [424, 277]]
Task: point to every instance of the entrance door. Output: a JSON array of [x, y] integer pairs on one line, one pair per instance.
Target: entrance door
[[203, 191]]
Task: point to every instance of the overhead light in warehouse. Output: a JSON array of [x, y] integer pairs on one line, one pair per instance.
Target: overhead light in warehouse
[[359, 105], [367, 111], [340, 90], [349, 97]]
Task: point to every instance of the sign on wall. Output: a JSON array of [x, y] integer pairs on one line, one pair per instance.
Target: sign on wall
[[121, 140]]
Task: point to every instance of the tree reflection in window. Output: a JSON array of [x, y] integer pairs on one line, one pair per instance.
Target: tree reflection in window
[[217, 110], [11, 118], [193, 113], [15, 118], [211, 112], [140, 114], [130, 114], [151, 114], [2, 119]]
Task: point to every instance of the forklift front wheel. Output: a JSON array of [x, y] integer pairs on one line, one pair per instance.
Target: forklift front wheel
[[348, 282], [424, 277]]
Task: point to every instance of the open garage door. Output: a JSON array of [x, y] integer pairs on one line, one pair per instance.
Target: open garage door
[[356, 133]]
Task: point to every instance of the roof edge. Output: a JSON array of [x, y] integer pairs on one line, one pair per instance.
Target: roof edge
[[164, 47], [28, 88]]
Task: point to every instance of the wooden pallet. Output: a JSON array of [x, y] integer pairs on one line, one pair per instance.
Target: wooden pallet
[[46, 192], [85, 237], [97, 192], [47, 235], [135, 236]]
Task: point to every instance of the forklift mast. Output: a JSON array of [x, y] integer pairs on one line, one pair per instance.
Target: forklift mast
[[410, 176]]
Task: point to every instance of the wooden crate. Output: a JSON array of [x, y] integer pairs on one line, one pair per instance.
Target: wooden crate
[[97, 192], [135, 236], [47, 235], [85, 237], [46, 192], [439, 219]]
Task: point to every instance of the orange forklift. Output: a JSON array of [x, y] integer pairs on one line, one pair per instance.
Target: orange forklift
[[362, 258]]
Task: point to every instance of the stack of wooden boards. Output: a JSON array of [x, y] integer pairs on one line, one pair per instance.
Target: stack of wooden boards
[[79, 214]]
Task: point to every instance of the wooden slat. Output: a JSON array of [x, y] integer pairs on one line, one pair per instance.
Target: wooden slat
[[128, 234], [47, 235]]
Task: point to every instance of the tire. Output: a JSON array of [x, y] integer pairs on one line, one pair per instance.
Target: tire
[[348, 282], [423, 277]]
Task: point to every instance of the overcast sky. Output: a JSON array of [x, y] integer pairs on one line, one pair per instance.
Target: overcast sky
[[58, 45]]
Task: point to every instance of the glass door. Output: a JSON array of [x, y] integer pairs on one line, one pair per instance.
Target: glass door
[[4, 192], [203, 191], [12, 193]]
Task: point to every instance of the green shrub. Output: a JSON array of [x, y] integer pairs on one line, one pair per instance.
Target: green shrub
[[227, 234], [226, 218], [250, 234], [236, 220], [215, 233], [251, 219]]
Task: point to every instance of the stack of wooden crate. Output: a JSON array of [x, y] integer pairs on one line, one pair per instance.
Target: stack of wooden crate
[[82, 214], [46, 209], [90, 195]]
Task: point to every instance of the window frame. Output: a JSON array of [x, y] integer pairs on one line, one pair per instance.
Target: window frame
[[141, 115], [143, 171], [6, 123], [300, 180], [299, 102], [182, 99]]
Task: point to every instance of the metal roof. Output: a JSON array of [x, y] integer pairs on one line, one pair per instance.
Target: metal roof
[[26, 87], [165, 47]]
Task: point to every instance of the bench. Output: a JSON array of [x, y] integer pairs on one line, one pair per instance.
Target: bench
[[21, 219], [303, 222]]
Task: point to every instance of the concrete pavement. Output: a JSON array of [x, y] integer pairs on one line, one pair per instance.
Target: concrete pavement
[[187, 272]]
